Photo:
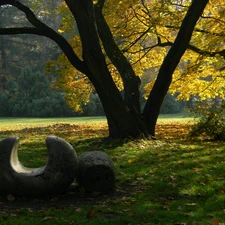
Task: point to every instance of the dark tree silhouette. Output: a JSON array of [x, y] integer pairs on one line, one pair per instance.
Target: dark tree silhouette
[[123, 113]]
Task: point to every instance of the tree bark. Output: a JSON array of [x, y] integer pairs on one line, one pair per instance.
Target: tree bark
[[131, 82], [122, 120], [164, 78]]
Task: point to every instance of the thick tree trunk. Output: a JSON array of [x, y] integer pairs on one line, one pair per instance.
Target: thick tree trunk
[[122, 122], [122, 119], [164, 79]]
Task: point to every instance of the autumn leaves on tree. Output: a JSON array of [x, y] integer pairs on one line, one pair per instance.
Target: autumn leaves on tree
[[111, 43]]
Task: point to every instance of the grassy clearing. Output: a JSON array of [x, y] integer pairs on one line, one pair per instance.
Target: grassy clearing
[[12, 123], [180, 117], [24, 122], [169, 181]]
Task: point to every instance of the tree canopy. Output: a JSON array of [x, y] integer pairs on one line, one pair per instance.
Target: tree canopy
[[145, 32], [108, 45]]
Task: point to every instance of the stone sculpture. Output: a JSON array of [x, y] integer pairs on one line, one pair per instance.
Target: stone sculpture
[[96, 171], [54, 178]]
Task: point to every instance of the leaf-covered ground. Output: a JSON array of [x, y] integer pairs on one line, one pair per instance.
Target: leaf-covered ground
[[172, 180]]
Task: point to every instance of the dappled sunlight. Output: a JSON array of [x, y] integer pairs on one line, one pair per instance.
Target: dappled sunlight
[[176, 178], [173, 130], [166, 179]]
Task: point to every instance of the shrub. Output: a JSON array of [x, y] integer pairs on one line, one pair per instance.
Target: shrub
[[210, 121]]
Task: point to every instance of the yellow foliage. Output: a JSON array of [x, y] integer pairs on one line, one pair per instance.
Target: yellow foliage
[[199, 74], [142, 29], [76, 86], [203, 75], [68, 23]]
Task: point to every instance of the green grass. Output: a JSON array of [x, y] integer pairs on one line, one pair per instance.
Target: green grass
[[179, 117], [12, 121], [169, 181]]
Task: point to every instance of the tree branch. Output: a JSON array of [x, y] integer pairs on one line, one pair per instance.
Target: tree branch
[[101, 3], [196, 50], [198, 30], [42, 30], [130, 81], [190, 47]]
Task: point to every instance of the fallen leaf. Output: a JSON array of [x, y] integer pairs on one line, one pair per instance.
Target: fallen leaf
[[91, 213], [215, 222], [131, 160], [126, 210], [197, 169], [46, 218], [78, 209], [191, 204], [131, 214], [191, 214], [127, 203], [172, 178], [11, 198]]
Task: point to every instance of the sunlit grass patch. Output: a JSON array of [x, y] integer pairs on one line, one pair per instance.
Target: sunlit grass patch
[[172, 180]]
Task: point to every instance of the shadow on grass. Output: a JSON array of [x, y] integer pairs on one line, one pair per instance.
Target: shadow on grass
[[172, 181], [179, 182]]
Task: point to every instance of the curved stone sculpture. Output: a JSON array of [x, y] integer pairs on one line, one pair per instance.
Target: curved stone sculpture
[[54, 178], [95, 171]]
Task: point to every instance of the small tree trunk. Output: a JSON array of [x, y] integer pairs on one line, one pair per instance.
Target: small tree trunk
[[164, 79]]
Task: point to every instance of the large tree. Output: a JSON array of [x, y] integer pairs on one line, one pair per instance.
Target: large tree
[[123, 112]]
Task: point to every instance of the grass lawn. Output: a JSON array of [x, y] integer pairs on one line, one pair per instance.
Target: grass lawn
[[12, 123], [170, 181]]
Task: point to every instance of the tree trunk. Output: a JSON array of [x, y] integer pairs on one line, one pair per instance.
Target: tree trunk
[[131, 82], [122, 120], [164, 79]]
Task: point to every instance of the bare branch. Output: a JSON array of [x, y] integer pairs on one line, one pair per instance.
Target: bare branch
[[101, 3], [136, 40], [198, 30], [213, 18]]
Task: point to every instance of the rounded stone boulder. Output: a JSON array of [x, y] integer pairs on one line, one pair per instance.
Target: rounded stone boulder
[[96, 171], [53, 178]]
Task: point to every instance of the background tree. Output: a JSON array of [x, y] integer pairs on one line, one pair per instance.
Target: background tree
[[31, 96], [122, 111], [29, 53]]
